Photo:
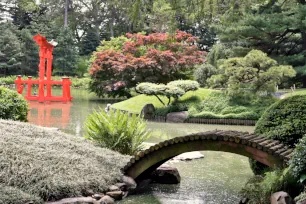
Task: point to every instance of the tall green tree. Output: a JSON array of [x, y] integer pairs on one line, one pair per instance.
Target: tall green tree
[[90, 42], [65, 53], [10, 52]]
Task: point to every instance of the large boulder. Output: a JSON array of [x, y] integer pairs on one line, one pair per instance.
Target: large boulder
[[177, 117], [281, 198], [148, 111], [166, 175]]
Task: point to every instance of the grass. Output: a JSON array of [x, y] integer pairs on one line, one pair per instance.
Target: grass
[[297, 92], [135, 104], [39, 164]]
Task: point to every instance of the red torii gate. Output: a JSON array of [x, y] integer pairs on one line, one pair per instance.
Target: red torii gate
[[46, 57]]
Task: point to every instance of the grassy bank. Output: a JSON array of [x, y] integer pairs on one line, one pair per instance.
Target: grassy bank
[[136, 103], [41, 164], [76, 82], [297, 92]]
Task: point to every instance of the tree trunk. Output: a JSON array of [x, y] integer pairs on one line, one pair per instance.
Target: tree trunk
[[66, 14]]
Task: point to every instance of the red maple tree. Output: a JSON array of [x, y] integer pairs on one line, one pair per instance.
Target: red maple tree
[[156, 58]]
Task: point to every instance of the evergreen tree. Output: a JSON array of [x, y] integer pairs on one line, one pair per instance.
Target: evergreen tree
[[10, 52], [65, 53], [90, 42], [30, 59]]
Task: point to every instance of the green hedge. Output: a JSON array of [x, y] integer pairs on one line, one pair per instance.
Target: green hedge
[[298, 161], [284, 121], [186, 85], [210, 115], [12, 105]]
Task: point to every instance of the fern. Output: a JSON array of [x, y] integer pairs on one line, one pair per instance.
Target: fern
[[117, 131]]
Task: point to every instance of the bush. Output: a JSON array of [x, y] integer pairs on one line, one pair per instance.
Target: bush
[[186, 85], [298, 161], [171, 108], [117, 131], [52, 165], [258, 168], [210, 115], [259, 188], [157, 90], [11, 195], [12, 105], [284, 121], [204, 72]]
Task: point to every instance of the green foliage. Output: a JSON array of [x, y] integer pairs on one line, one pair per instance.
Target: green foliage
[[186, 85], [218, 105], [203, 72], [65, 53], [12, 105], [300, 198], [10, 51], [255, 73], [82, 66], [89, 42], [51, 165], [259, 188], [298, 160], [258, 168], [176, 107], [284, 121], [117, 131], [115, 44]]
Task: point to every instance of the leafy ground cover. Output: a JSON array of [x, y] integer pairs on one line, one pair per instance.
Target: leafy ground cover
[[135, 104], [41, 164]]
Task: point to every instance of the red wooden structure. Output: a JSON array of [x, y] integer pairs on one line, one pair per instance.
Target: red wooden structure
[[45, 71]]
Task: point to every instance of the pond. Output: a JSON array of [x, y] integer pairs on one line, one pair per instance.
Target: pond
[[217, 178]]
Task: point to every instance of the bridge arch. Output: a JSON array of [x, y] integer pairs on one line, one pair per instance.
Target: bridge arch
[[269, 152]]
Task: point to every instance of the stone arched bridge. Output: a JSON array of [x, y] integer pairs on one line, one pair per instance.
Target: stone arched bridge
[[269, 152]]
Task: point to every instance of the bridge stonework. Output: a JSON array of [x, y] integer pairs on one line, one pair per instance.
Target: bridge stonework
[[269, 152]]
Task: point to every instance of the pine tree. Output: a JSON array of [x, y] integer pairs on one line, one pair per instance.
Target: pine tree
[[30, 59], [90, 42], [65, 53], [10, 52]]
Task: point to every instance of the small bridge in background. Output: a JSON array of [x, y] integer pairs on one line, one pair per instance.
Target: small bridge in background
[[269, 152]]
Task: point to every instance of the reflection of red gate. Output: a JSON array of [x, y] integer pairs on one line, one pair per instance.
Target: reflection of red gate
[[44, 115], [46, 57]]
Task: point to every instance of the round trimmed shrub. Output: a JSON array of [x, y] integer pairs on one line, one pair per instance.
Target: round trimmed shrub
[[12, 105], [298, 161], [285, 120], [203, 72], [186, 85]]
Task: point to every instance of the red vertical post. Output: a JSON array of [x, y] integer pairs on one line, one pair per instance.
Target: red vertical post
[[18, 83], [49, 71], [41, 85], [29, 92]]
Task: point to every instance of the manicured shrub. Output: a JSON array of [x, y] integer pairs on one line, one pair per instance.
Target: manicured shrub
[[284, 121], [186, 85], [298, 161], [12, 105], [11, 195], [52, 165], [157, 90], [171, 108], [117, 131], [203, 72]]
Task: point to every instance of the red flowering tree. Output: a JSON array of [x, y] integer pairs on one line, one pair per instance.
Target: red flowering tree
[[155, 58]]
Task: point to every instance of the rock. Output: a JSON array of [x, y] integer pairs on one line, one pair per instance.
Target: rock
[[121, 186], [166, 175], [189, 156], [107, 200], [142, 185], [76, 200], [177, 117], [147, 111], [117, 195], [88, 192], [98, 196], [281, 198], [130, 183], [244, 201], [113, 188]]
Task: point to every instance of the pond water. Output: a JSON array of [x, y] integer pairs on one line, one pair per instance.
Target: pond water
[[217, 178]]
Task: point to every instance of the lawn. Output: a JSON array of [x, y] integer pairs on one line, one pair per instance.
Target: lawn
[[135, 104], [297, 92], [39, 164]]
